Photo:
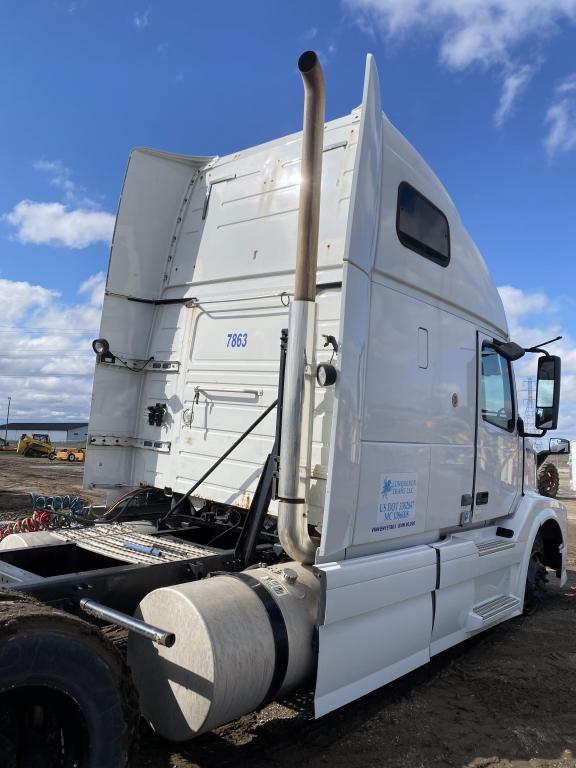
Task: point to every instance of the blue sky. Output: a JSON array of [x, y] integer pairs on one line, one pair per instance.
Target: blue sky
[[486, 92]]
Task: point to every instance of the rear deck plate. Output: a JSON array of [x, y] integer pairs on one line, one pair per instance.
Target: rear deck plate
[[110, 539]]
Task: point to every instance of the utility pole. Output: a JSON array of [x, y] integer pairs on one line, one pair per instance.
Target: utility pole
[[529, 408], [7, 419], [529, 412]]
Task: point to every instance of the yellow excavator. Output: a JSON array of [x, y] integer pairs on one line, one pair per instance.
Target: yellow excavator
[[34, 445]]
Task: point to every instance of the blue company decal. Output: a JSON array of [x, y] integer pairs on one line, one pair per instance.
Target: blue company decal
[[237, 340], [397, 502]]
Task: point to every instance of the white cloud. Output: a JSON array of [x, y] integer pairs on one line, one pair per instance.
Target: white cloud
[[561, 119], [533, 319], [309, 34], [515, 82], [141, 20], [518, 303], [94, 286], [56, 224], [18, 297], [470, 30], [484, 32], [60, 177], [327, 54], [46, 359]]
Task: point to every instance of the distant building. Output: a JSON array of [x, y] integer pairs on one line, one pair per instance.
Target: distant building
[[59, 432]]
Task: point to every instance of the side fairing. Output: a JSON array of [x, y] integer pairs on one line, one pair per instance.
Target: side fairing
[[346, 436], [154, 188]]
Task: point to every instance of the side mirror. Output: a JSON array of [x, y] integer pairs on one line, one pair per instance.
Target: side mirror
[[559, 445], [548, 392]]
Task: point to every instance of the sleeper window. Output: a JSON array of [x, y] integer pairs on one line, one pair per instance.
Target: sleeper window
[[497, 402], [421, 226]]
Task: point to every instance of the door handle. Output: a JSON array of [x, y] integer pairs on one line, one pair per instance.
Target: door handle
[[481, 498]]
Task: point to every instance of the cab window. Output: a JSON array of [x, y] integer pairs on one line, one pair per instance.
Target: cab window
[[421, 226], [497, 401]]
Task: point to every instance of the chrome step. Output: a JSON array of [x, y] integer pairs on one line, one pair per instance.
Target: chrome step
[[492, 609], [490, 546]]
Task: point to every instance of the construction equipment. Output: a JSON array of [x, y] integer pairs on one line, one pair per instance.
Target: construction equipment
[[548, 475], [68, 454], [334, 440], [36, 445]]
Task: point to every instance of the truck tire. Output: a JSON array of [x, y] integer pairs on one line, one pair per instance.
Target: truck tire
[[52, 455], [71, 457], [548, 480], [536, 578], [66, 697]]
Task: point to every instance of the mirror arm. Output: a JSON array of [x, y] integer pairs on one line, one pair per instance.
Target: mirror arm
[[537, 349], [521, 432]]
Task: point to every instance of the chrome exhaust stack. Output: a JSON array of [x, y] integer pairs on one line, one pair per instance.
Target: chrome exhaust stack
[[299, 382]]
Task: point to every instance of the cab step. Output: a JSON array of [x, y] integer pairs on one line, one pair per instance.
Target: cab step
[[491, 546], [493, 610]]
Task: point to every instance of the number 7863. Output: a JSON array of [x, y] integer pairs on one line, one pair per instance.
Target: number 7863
[[237, 340]]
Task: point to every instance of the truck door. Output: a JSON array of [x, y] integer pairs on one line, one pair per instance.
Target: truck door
[[497, 460]]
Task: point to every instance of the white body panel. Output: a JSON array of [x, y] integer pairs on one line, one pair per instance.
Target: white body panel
[[375, 624], [384, 615], [409, 563], [238, 263]]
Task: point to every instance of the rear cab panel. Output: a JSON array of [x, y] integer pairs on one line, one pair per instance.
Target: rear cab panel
[[222, 235]]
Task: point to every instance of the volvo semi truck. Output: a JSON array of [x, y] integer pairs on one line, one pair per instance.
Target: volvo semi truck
[[305, 418]]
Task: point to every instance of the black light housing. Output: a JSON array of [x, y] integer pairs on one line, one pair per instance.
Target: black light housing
[[326, 375], [102, 349], [100, 346]]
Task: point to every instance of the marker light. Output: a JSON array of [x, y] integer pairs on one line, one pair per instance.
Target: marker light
[[326, 374], [100, 346]]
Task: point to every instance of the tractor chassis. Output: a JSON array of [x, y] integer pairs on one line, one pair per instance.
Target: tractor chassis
[[62, 574]]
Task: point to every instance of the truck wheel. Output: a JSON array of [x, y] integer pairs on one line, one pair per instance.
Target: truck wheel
[[66, 698], [536, 578], [548, 480], [71, 457], [52, 455]]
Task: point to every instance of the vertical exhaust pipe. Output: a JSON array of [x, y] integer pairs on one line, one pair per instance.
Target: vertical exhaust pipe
[[311, 177], [299, 383]]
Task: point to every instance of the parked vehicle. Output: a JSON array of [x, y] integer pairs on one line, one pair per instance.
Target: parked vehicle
[[68, 454], [548, 475], [312, 401], [36, 445]]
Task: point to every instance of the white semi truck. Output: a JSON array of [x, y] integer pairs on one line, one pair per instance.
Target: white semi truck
[[304, 390]]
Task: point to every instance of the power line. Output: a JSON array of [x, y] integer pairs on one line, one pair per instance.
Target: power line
[[19, 328], [33, 327], [41, 374]]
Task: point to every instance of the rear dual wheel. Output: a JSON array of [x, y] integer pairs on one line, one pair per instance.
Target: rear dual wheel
[[66, 699]]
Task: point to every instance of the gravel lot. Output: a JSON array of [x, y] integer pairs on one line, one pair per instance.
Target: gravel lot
[[507, 698]]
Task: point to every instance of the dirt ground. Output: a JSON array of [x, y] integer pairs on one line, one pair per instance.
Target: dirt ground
[[506, 698]]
